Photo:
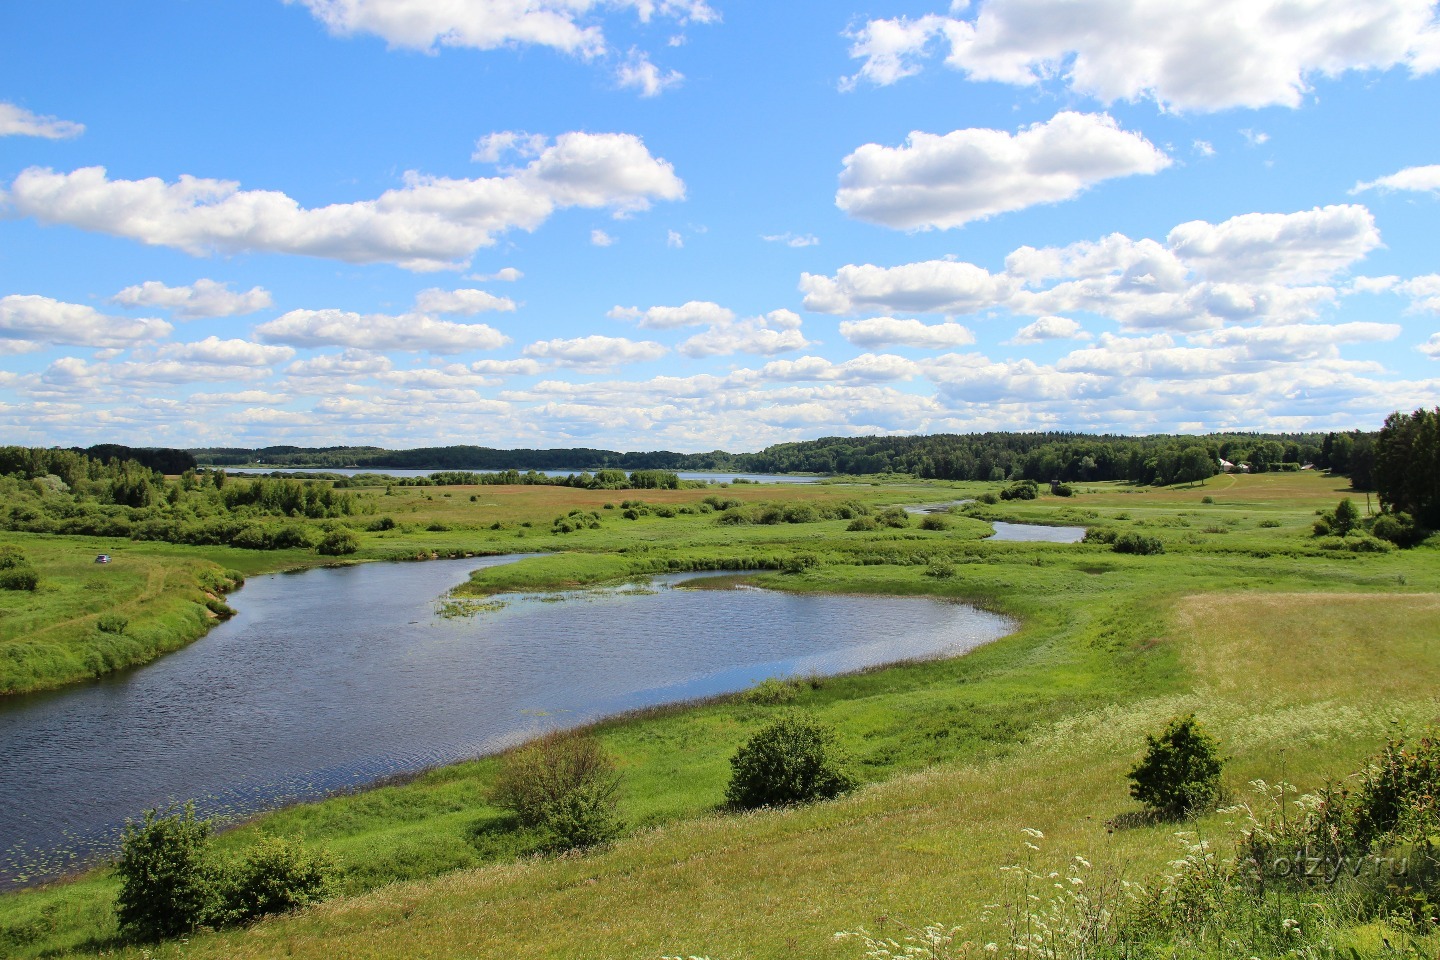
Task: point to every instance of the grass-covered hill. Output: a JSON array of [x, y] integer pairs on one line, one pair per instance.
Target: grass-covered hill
[[1299, 653]]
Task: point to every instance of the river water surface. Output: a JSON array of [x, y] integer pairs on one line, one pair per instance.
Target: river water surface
[[336, 677]]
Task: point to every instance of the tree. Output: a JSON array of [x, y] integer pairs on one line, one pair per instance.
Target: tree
[[166, 885], [795, 759], [1180, 772], [1407, 465], [1345, 517]]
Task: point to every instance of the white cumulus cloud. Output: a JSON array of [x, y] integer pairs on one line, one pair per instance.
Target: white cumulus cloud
[[378, 331], [889, 331], [43, 320], [1420, 179], [1272, 268], [1424, 292], [932, 286], [203, 298], [936, 181], [1049, 328], [638, 73], [1200, 55], [772, 333], [595, 352], [564, 25], [18, 122], [428, 224], [1307, 245], [461, 302], [213, 350], [692, 314]]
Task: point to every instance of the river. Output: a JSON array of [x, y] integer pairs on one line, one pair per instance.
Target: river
[[333, 678]]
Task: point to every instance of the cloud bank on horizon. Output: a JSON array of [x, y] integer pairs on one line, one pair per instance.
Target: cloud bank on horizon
[[669, 224]]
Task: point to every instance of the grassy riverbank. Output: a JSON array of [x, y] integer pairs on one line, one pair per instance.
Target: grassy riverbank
[[1301, 659]]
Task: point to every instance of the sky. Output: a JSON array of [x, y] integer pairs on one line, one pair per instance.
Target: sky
[[712, 224]]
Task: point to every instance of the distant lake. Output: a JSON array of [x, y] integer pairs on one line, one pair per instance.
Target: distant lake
[[396, 472], [333, 678]]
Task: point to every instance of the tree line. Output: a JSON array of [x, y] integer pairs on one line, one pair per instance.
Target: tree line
[[1043, 457]]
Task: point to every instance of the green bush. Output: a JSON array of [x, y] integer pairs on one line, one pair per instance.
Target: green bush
[[1397, 528], [1180, 772], [565, 785], [990, 499], [1106, 535], [940, 569], [167, 885], [111, 623], [19, 578], [1062, 490], [860, 524], [773, 691], [894, 517], [1022, 490], [12, 556], [1137, 543], [338, 543], [381, 524], [934, 521], [795, 759], [277, 875]]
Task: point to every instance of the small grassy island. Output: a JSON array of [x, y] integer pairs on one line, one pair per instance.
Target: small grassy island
[[973, 806]]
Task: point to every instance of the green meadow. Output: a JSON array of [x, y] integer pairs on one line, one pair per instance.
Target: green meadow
[[1300, 655]]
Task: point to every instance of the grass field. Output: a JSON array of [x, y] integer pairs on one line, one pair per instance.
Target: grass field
[[1301, 660]]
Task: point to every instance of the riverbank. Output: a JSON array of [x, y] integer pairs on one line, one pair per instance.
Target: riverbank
[[1277, 644]]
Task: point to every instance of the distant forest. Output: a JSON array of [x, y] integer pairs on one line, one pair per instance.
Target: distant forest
[[984, 456]]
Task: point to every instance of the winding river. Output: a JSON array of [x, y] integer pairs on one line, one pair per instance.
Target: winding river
[[334, 678]]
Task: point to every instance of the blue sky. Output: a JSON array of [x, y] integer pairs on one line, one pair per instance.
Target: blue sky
[[691, 224]]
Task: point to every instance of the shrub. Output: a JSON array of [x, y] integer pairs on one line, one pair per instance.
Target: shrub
[[894, 517], [1022, 490], [800, 562], [1137, 543], [565, 785], [277, 875], [19, 578], [167, 887], [1101, 535], [381, 524], [1207, 499], [1180, 772], [111, 623], [1062, 490], [773, 691], [1397, 528], [11, 556], [934, 521], [338, 543], [989, 499], [860, 524], [940, 569], [794, 759]]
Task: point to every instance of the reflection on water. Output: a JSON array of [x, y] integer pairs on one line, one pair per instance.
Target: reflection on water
[[336, 677]]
